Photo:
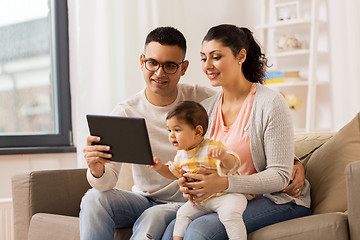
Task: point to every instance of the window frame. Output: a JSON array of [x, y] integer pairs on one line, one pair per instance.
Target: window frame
[[62, 141]]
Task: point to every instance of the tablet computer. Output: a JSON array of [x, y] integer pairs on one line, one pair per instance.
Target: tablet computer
[[127, 137]]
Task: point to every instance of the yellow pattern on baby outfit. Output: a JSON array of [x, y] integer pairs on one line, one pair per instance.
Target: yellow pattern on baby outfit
[[192, 160]]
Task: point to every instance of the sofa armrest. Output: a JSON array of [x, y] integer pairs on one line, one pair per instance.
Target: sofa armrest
[[352, 173], [49, 191]]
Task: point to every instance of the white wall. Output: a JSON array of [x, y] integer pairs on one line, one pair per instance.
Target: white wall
[[15, 164]]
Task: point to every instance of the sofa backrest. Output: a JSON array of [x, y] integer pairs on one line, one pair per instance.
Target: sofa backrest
[[325, 168], [307, 143], [58, 188]]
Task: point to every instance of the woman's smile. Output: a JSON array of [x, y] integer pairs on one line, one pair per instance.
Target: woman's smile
[[212, 76]]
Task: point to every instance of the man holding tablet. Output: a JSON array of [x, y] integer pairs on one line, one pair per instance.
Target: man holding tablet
[[103, 208]]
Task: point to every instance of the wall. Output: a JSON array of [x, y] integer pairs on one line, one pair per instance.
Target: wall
[[14, 164]]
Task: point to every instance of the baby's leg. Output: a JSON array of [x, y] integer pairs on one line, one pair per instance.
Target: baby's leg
[[185, 215], [230, 208]]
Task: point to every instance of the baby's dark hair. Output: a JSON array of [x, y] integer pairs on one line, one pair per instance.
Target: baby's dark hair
[[192, 113], [167, 36], [236, 39]]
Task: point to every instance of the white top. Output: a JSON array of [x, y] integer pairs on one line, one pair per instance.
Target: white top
[[148, 182]]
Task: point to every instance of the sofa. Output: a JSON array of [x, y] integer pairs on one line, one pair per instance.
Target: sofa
[[46, 203]]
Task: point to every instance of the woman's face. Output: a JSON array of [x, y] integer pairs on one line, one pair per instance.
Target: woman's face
[[219, 63]]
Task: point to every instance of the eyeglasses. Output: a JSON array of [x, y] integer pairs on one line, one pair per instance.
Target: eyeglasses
[[168, 67]]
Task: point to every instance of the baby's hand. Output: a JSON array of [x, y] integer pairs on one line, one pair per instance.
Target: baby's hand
[[218, 152], [157, 164]]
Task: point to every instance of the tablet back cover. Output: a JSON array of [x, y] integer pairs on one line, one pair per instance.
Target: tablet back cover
[[127, 137]]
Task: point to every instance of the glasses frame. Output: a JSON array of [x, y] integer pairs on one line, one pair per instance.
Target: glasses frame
[[162, 65]]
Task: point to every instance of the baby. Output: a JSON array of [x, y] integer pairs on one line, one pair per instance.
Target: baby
[[187, 124]]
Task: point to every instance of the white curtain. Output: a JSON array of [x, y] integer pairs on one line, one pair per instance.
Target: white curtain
[[345, 51], [107, 38], [353, 48], [104, 65]]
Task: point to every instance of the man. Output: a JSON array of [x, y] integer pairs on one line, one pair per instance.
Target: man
[[154, 200], [162, 64]]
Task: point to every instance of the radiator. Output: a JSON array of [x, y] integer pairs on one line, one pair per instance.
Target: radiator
[[6, 219]]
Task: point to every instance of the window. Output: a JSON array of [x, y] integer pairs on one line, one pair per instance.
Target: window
[[34, 75]]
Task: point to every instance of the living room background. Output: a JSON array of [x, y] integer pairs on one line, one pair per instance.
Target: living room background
[[107, 38]]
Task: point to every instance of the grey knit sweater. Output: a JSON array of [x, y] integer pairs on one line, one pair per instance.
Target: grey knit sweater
[[271, 134]]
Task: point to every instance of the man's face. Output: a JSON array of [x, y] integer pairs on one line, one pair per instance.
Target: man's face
[[159, 84]]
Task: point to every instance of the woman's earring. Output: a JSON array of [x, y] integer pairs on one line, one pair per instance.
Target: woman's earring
[[240, 63]]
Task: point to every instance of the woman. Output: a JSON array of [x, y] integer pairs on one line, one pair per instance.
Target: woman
[[254, 122]]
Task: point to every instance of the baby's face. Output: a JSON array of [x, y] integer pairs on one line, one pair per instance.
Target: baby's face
[[181, 135]]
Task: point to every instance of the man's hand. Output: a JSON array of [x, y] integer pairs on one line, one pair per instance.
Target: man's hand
[[95, 156], [297, 180]]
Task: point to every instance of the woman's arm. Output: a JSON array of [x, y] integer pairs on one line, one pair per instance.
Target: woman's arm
[[297, 180], [207, 182], [212, 183], [272, 151]]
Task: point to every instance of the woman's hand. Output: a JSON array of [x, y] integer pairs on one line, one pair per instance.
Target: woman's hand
[[183, 189], [297, 180], [206, 183], [95, 156]]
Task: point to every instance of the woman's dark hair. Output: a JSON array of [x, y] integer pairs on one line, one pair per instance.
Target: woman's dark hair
[[236, 39], [167, 36], [192, 113]]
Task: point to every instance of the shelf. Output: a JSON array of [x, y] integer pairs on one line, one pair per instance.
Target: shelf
[[294, 84], [290, 53], [284, 23], [288, 84], [308, 29]]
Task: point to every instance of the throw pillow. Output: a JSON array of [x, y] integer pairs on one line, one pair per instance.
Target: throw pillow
[[325, 169], [307, 143]]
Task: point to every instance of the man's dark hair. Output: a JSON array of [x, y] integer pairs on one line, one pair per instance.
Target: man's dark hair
[[167, 36], [192, 113]]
